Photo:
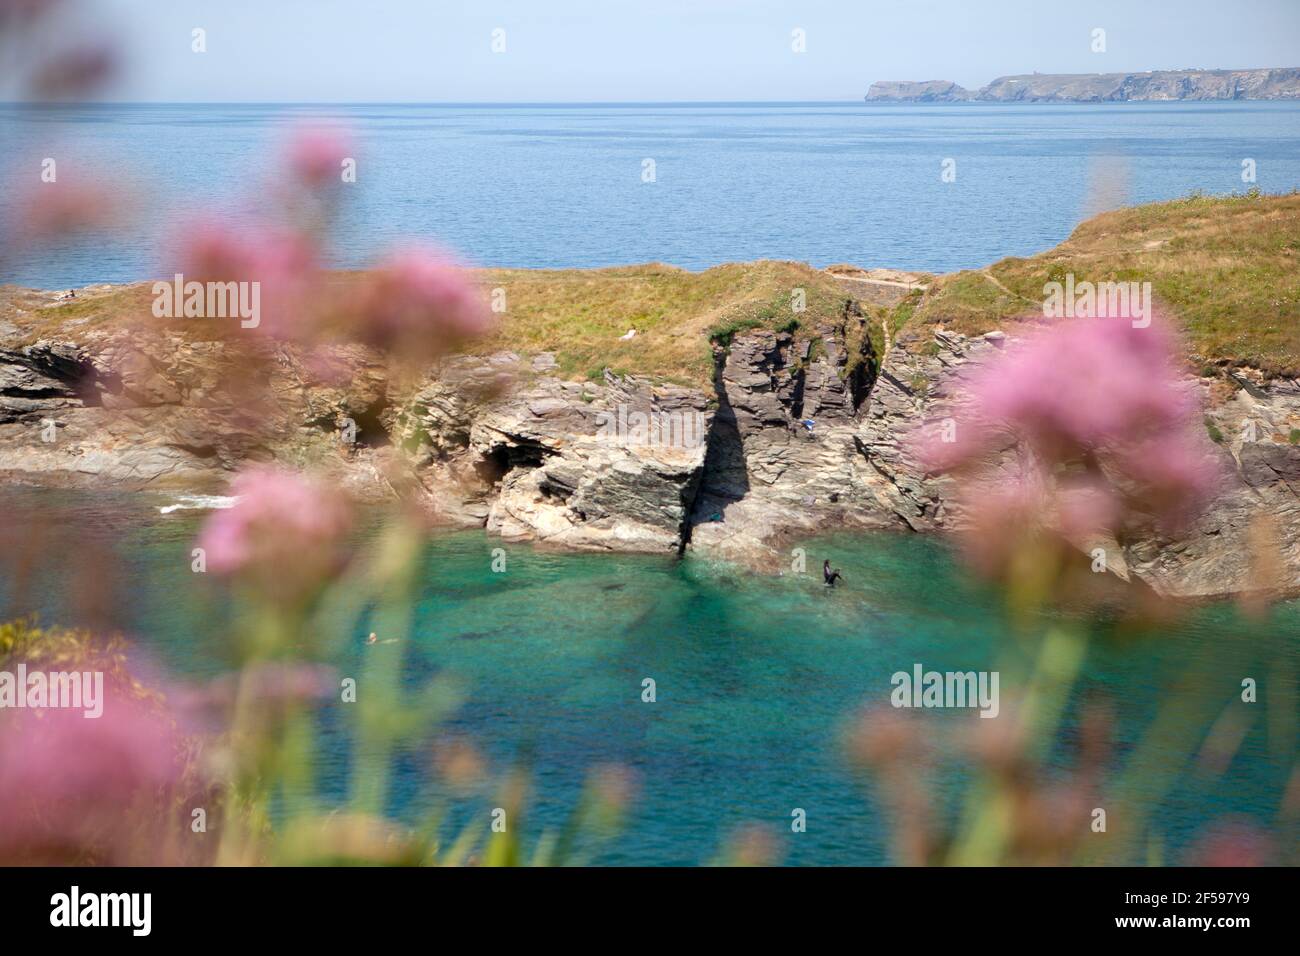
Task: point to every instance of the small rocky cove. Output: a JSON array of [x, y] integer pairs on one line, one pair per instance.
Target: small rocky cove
[[802, 432]]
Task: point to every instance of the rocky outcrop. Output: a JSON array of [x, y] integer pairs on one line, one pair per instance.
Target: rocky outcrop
[[782, 457], [1159, 85], [613, 465], [1251, 420], [168, 410], [915, 385], [1224, 552], [802, 431], [917, 91]]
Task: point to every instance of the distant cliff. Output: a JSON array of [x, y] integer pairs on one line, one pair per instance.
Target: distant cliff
[[1276, 84]]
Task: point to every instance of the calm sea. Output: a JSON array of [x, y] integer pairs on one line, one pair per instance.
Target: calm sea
[[757, 680], [562, 186]]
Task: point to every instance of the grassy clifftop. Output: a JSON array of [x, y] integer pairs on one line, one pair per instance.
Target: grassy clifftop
[[580, 315], [1228, 268]]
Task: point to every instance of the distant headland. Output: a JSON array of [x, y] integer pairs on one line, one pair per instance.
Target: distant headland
[[1160, 85]]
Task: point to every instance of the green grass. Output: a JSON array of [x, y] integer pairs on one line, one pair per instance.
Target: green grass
[[580, 315], [1226, 267], [1213, 430], [63, 648]]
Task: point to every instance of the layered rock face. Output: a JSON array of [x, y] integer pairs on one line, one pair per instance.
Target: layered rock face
[[802, 432], [608, 466], [170, 412], [1259, 510], [782, 456], [626, 465], [1252, 420]]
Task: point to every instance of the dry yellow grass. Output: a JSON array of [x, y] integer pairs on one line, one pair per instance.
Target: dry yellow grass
[[1227, 268], [579, 315]]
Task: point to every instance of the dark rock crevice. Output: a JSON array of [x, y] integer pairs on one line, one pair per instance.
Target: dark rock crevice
[[781, 451]]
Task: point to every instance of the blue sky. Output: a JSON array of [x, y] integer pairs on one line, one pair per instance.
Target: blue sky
[[610, 50]]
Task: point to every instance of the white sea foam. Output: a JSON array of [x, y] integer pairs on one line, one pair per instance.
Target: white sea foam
[[199, 502]]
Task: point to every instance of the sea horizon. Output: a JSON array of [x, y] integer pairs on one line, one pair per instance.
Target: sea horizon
[[693, 185], [847, 101]]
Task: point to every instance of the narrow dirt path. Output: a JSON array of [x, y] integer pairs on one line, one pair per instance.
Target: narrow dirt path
[[885, 282], [998, 283]]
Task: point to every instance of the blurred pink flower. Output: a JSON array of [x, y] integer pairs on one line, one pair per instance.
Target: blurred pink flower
[[1232, 842], [50, 212], [1096, 394], [315, 154], [1080, 383], [1174, 475], [272, 686], [1001, 513], [284, 536], [20, 13], [282, 261], [75, 71], [1086, 507], [881, 736], [75, 789], [418, 304]]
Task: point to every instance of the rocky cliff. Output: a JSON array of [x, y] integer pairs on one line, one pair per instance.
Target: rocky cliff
[[1250, 423], [802, 431], [917, 91], [1159, 85]]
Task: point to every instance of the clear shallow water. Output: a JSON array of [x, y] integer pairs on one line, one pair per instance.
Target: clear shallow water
[[560, 186], [756, 676]]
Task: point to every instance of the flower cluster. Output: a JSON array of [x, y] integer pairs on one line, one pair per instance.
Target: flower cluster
[[75, 791], [416, 305], [283, 537], [1084, 427]]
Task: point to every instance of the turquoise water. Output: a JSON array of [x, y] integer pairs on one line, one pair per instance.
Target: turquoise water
[[560, 186], [757, 676]]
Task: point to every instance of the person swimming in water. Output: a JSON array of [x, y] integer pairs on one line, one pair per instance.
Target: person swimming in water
[[373, 638], [829, 576]]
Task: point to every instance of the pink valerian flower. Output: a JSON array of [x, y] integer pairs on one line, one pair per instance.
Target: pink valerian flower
[[418, 304], [75, 71], [1172, 474], [53, 211], [283, 537], [22, 13], [281, 261], [272, 686], [315, 154], [1001, 513], [1071, 386], [75, 789], [1085, 507], [1098, 395], [1235, 841]]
